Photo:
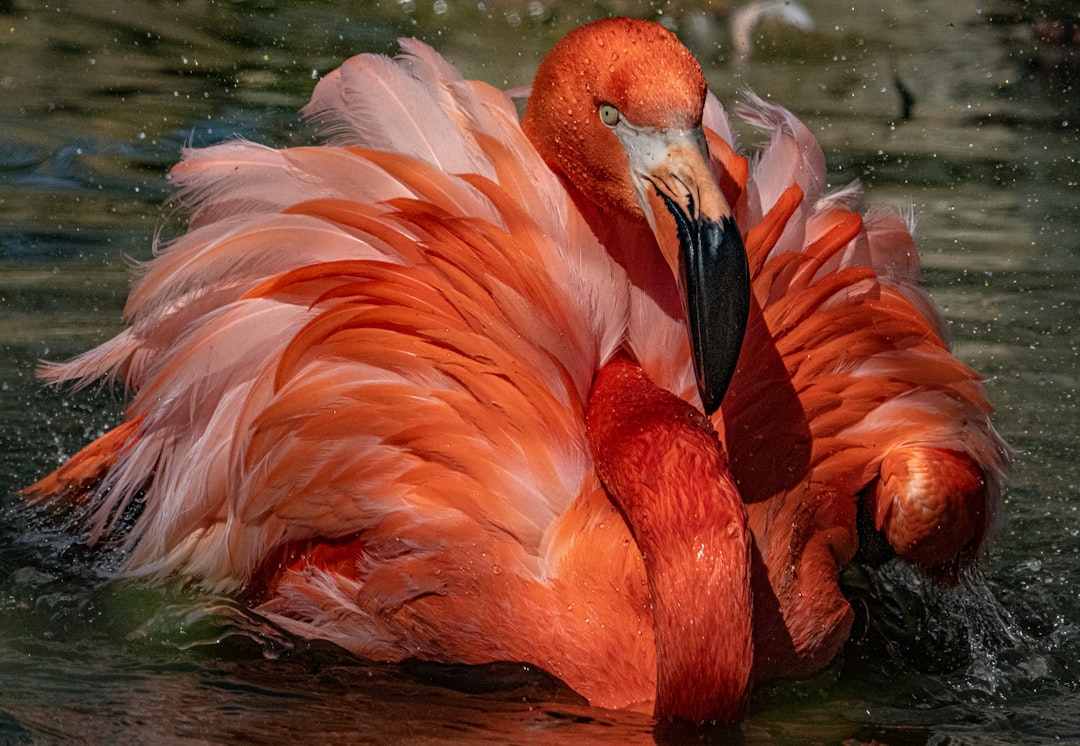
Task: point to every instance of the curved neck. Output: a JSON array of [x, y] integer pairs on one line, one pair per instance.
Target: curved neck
[[663, 466]]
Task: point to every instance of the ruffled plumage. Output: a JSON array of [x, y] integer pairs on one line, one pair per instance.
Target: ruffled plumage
[[362, 349]]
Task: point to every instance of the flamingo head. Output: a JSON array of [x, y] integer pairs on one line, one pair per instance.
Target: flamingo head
[[616, 110]]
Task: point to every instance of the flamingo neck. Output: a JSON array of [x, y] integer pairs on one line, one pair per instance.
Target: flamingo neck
[[663, 466]]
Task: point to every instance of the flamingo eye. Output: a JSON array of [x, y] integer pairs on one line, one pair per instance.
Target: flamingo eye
[[609, 115]]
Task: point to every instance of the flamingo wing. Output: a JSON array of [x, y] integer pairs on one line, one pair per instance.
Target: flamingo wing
[[846, 393], [379, 362]]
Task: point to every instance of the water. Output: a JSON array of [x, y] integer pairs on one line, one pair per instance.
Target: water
[[95, 104]]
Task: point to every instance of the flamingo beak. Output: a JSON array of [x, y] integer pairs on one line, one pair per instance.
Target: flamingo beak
[[697, 234]]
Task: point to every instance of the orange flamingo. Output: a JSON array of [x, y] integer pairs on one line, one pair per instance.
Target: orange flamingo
[[431, 391]]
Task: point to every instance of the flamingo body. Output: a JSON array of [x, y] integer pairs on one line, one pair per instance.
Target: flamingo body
[[390, 388]]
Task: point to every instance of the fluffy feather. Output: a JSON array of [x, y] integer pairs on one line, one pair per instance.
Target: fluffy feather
[[309, 362]]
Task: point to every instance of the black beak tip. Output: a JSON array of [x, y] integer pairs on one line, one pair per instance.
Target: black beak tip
[[716, 278]]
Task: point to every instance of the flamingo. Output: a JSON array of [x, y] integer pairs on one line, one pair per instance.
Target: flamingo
[[591, 390], [746, 18]]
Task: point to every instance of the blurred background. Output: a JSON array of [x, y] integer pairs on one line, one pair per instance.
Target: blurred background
[[965, 114]]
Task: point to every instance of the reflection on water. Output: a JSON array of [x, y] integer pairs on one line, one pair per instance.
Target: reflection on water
[[97, 102]]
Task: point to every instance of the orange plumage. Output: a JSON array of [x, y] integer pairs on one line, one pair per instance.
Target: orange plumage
[[360, 384]]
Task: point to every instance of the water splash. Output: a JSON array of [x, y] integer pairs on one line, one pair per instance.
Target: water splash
[[219, 623], [962, 633], [1003, 654]]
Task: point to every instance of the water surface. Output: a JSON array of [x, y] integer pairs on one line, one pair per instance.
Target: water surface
[[96, 103]]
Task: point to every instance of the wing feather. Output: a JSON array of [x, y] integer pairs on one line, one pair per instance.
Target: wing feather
[[359, 340]]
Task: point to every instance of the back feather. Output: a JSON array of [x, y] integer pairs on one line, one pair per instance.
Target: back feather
[[322, 292]]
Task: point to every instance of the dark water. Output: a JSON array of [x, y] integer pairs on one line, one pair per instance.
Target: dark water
[[95, 104]]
